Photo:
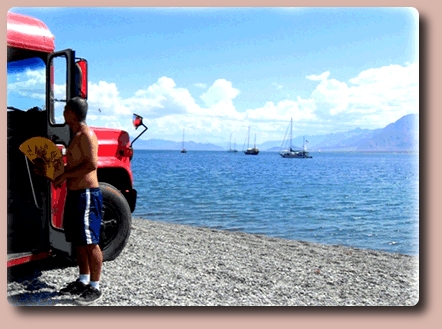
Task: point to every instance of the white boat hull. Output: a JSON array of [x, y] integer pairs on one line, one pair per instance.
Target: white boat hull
[[300, 155]]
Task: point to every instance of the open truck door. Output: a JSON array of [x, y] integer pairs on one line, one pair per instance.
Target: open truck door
[[65, 78]]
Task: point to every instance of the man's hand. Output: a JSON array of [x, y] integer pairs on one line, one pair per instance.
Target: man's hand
[[59, 180]]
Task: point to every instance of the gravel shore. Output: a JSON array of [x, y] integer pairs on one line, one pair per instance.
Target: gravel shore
[[178, 265]]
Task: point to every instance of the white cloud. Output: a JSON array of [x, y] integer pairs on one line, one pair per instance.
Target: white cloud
[[200, 85], [378, 95], [162, 98], [322, 76], [283, 111], [333, 93], [372, 99], [387, 93], [95, 117], [220, 91], [31, 84], [277, 85], [105, 96], [35, 77], [60, 91], [115, 125]]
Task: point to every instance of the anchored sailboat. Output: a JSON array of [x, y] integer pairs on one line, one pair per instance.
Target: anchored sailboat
[[183, 150], [251, 150], [290, 153], [230, 145]]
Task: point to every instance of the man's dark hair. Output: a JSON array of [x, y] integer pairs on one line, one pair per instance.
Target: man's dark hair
[[79, 106]]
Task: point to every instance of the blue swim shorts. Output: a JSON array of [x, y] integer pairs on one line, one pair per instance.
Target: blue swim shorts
[[82, 216]]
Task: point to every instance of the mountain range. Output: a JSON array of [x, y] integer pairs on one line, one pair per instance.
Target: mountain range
[[399, 136]]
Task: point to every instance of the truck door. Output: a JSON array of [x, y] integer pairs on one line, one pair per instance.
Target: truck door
[[64, 79]]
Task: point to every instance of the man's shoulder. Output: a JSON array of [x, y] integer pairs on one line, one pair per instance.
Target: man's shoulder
[[86, 132], [88, 136]]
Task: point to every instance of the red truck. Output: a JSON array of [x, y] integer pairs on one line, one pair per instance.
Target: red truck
[[40, 81]]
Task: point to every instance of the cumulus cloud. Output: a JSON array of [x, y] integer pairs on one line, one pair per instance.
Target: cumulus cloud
[[385, 94], [371, 99], [393, 88], [31, 84], [378, 95], [320, 77], [298, 110], [332, 93], [220, 91], [162, 98], [105, 96]]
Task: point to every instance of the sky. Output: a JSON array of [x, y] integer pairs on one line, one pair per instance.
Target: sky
[[216, 71]]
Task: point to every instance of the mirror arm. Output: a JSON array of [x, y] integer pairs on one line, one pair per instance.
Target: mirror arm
[[145, 128]]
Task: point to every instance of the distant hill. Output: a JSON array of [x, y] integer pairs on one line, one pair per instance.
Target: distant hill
[[343, 140], [161, 144], [397, 136]]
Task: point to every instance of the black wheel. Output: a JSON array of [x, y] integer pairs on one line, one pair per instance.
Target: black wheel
[[116, 223]]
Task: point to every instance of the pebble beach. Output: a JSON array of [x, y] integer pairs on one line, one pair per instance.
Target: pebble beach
[[167, 264]]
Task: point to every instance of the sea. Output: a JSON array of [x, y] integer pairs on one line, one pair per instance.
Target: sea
[[362, 200]]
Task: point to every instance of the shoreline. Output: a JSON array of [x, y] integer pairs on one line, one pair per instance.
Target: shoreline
[[167, 264], [415, 152], [281, 237]]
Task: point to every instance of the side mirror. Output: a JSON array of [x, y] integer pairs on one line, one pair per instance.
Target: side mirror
[[137, 121], [81, 78]]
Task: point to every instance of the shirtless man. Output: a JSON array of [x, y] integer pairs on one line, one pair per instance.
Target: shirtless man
[[82, 212]]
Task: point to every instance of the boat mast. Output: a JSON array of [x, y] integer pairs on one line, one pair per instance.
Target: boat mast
[[254, 146], [248, 138], [291, 127], [183, 140], [230, 145]]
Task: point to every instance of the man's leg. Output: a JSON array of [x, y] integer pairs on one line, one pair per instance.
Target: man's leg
[[92, 248], [79, 286], [95, 258], [83, 264], [94, 253]]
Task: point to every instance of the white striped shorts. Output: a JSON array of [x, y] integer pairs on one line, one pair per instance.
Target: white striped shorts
[[82, 216]]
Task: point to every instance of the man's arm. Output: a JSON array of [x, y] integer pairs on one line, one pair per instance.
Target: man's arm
[[88, 161]]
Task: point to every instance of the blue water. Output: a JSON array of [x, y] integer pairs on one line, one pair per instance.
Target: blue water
[[363, 200]]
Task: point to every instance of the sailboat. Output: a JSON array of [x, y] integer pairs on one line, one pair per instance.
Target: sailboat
[[230, 145], [183, 150], [250, 150], [290, 153]]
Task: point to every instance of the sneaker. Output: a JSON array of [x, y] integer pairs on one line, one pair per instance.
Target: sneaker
[[89, 296], [74, 288]]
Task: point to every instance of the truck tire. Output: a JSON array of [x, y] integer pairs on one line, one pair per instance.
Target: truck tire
[[116, 223]]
